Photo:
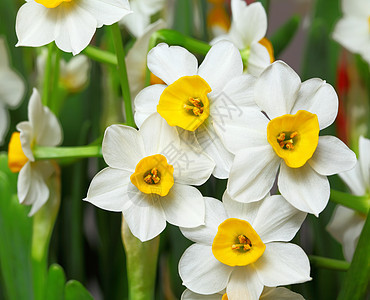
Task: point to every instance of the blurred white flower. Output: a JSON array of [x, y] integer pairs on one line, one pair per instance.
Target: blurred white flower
[[268, 293], [244, 247], [70, 23], [353, 30], [148, 178], [73, 75], [41, 129], [283, 137], [140, 19], [198, 99], [346, 224], [11, 89], [247, 32]]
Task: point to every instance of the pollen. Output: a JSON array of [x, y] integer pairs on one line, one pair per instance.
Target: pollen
[[286, 140], [152, 177], [195, 106]]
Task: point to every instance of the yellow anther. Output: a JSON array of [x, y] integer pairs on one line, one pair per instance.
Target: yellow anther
[[247, 247], [294, 134], [281, 137], [235, 247], [197, 111], [243, 239], [148, 179], [152, 177], [289, 146], [195, 101]]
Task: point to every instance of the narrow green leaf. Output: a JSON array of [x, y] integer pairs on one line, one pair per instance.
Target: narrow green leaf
[[55, 283], [358, 203], [74, 290]]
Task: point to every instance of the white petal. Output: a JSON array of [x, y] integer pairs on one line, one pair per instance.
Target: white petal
[[146, 102], [258, 60], [136, 58], [4, 123], [35, 24], [346, 226], [184, 206], [24, 184], [358, 8], [282, 264], [145, 221], [354, 180], [284, 220], [244, 284], [364, 146], [136, 22], [215, 214], [189, 295], [304, 188], [26, 137], [213, 146], [332, 156], [253, 173], [108, 189], [276, 89], [201, 272], [320, 98], [106, 12], [122, 147], [171, 63], [12, 88], [75, 28], [165, 136], [279, 293], [248, 129], [221, 64]]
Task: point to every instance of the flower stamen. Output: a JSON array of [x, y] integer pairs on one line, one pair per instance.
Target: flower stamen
[[196, 108], [152, 176], [287, 143]]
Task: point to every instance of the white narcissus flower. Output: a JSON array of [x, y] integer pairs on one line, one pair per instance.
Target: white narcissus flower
[[243, 247], [138, 22], [73, 75], [198, 99], [70, 23], [11, 89], [247, 32], [41, 129], [353, 30], [346, 224], [149, 176], [136, 59], [279, 293], [286, 137]]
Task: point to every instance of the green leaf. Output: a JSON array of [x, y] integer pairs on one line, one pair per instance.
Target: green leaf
[[15, 237], [358, 203], [76, 291], [283, 36], [55, 283]]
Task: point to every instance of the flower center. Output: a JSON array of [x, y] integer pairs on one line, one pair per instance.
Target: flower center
[[184, 103], [294, 138], [237, 243], [51, 3], [153, 175], [16, 157], [267, 44]]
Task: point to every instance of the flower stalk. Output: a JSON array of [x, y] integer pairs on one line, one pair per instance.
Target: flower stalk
[[329, 263], [141, 259], [358, 203], [42, 153]]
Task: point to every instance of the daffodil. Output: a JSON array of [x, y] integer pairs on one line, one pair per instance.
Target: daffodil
[[11, 89], [73, 74], [279, 293], [198, 99], [140, 19], [70, 23], [346, 225], [284, 136], [148, 178], [136, 59], [244, 247], [41, 129], [247, 32], [353, 30]]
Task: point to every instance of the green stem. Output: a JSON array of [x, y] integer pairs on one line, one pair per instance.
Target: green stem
[[329, 263], [99, 55], [358, 203], [120, 53], [54, 103], [141, 260], [358, 276], [48, 75], [41, 153], [43, 224]]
